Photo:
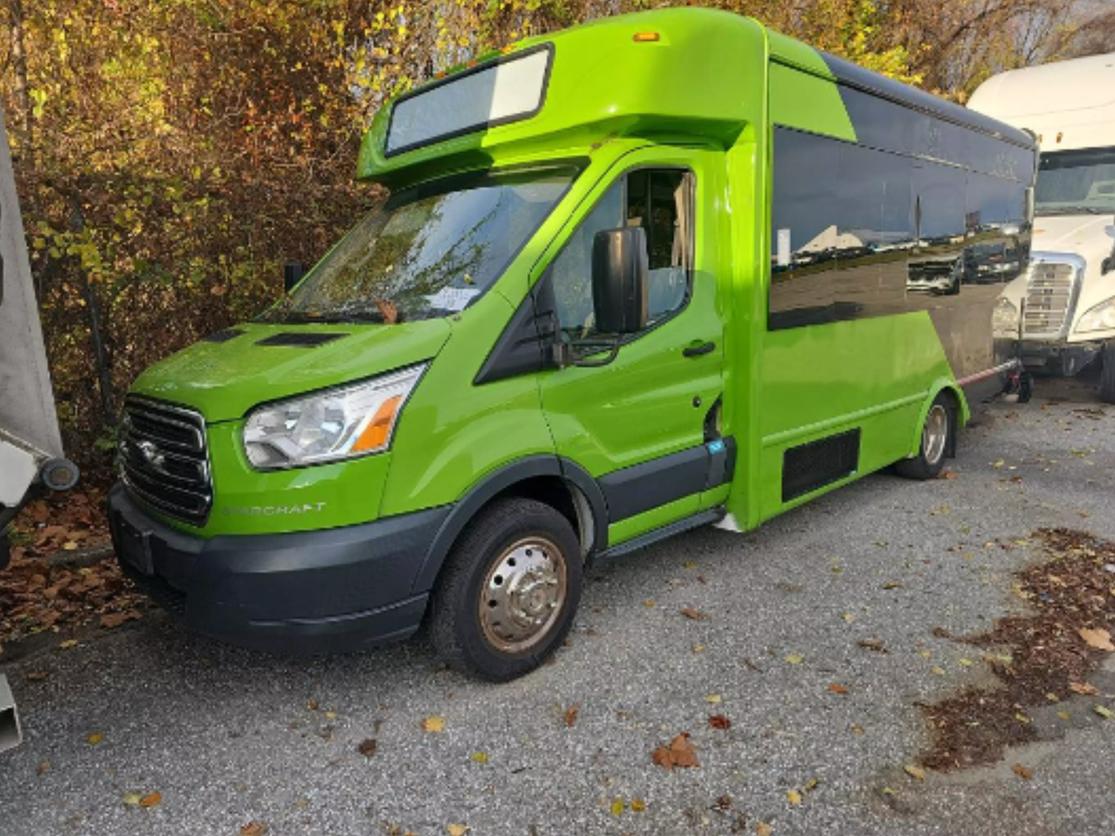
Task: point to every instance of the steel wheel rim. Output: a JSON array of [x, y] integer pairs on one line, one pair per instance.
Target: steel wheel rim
[[523, 594], [935, 435]]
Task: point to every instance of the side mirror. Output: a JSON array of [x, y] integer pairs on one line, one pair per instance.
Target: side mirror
[[619, 280], [293, 271]]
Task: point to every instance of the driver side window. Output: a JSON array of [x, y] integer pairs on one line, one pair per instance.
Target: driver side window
[[660, 201]]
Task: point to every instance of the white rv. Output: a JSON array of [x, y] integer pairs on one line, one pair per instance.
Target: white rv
[[30, 444], [1064, 304]]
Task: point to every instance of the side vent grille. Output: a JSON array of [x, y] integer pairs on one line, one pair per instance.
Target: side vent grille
[[807, 467]]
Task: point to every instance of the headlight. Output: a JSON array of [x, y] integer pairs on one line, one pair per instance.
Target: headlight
[[326, 426], [1004, 319], [1101, 317]]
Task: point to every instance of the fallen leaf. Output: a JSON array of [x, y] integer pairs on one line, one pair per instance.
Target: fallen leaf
[[457, 829], [837, 688], [763, 829], [794, 658], [35, 676], [571, 715], [946, 474], [1064, 715], [312, 704], [1103, 711], [876, 645], [679, 753], [967, 663], [67, 644], [698, 648], [93, 738], [938, 670], [111, 620], [479, 757], [1022, 772], [719, 721], [253, 828], [433, 724], [1085, 688], [915, 771], [856, 729], [367, 747], [152, 799], [693, 615], [132, 799], [638, 805], [618, 807], [724, 802], [1097, 638], [1022, 718], [848, 617], [713, 699], [330, 715], [43, 768], [648, 603], [794, 797]]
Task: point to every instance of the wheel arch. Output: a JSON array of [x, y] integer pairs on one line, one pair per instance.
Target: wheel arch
[[961, 413], [558, 482]]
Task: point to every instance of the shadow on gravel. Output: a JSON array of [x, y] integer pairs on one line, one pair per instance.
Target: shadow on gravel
[[1039, 659]]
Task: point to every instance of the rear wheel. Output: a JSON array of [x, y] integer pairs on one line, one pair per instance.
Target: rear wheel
[[1107, 373], [936, 441], [509, 591]]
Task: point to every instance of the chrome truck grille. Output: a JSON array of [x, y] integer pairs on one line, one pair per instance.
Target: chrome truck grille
[[164, 459], [1051, 290]]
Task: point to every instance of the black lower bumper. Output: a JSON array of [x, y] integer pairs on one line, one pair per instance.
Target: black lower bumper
[[319, 591], [1058, 358]]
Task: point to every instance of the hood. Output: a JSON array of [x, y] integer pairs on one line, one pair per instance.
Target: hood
[[228, 373]]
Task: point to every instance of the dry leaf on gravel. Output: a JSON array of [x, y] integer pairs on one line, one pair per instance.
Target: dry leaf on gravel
[[794, 658], [1097, 638], [152, 799], [457, 829], [1022, 772], [1085, 688], [1103, 711], [763, 829], [571, 715], [253, 828], [433, 724], [693, 615], [837, 688], [794, 797], [679, 752], [367, 747], [875, 645], [719, 721], [915, 772]]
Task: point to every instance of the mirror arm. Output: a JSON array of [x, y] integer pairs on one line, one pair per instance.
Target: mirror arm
[[568, 358]]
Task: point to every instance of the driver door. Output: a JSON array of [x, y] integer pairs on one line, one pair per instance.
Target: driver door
[[645, 423]]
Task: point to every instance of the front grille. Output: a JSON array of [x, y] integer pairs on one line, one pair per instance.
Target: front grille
[[164, 459], [1051, 289]]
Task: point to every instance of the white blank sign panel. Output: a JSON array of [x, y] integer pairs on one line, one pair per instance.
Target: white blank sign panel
[[498, 93]]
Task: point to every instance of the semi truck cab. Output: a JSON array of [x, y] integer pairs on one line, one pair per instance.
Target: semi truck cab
[[1065, 302]]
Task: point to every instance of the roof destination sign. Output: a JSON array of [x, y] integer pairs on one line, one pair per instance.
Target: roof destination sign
[[505, 90]]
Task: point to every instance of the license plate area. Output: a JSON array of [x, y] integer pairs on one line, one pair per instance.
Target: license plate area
[[135, 546]]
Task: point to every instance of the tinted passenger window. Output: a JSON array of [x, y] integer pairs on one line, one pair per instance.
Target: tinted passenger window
[[660, 201]]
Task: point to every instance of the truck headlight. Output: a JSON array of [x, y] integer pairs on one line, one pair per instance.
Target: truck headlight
[[1099, 317], [326, 426], [1004, 319]]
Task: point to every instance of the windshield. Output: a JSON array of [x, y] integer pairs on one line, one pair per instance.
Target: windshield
[[428, 251], [1076, 182]]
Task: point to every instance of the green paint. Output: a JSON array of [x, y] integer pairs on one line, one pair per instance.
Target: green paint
[[704, 97]]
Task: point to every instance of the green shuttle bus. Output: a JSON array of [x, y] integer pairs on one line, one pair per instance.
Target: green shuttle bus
[[653, 272]]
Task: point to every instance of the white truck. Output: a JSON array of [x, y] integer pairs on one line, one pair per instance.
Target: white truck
[[30, 444], [1064, 304]]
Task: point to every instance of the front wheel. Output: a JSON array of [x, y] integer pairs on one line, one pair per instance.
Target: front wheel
[[1107, 373], [936, 441], [508, 593]]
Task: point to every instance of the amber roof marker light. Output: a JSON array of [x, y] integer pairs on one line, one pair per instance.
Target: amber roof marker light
[[645, 37]]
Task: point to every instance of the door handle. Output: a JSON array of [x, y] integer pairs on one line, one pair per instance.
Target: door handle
[[696, 349]]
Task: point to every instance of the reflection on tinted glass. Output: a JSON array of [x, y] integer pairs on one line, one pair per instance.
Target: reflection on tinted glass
[[859, 231]]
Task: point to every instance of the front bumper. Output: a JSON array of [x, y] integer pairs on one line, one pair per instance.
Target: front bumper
[[317, 591], [1058, 358]]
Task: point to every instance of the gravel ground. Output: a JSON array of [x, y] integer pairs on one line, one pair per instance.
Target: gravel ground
[[228, 737]]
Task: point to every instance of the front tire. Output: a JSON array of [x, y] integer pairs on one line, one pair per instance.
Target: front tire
[[1107, 373], [937, 440], [509, 590]]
